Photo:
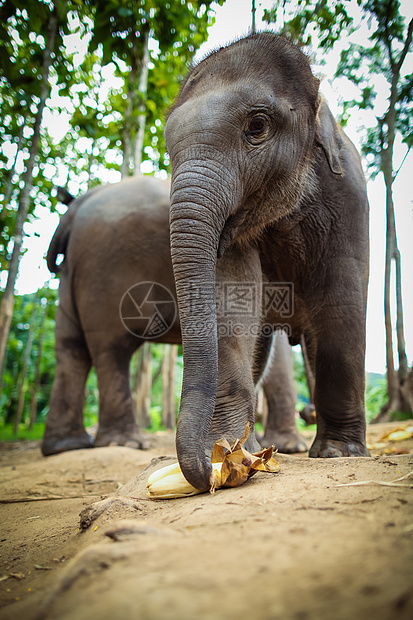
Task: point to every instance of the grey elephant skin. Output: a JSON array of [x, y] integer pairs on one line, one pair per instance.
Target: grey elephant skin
[[107, 250], [113, 239], [259, 161]]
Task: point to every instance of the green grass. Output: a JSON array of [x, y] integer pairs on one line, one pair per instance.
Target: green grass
[[155, 414], [23, 433], [302, 426], [398, 416]]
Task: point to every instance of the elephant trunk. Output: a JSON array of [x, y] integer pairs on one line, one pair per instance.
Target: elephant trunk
[[196, 228]]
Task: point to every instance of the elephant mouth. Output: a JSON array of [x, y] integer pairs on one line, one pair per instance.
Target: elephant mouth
[[230, 231]]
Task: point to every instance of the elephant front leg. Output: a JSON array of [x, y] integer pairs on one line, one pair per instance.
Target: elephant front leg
[[64, 423], [339, 392], [239, 294], [117, 424], [236, 399]]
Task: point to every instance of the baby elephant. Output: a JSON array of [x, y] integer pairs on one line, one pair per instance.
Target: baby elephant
[[116, 291], [258, 161]]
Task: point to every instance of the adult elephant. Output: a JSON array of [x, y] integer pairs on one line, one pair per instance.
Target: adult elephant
[[107, 251], [115, 242], [258, 161]]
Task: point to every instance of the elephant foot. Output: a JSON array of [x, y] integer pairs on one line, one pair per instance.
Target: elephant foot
[[287, 442], [111, 437], [54, 445], [330, 448], [252, 444]]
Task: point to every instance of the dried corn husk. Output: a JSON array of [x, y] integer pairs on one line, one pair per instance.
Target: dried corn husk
[[232, 465]]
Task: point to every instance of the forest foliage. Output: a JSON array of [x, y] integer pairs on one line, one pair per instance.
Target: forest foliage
[[72, 103]]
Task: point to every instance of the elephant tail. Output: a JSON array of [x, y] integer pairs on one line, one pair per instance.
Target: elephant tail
[[64, 196], [60, 239], [57, 246]]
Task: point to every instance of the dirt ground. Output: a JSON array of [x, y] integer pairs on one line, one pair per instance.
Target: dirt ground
[[307, 543]]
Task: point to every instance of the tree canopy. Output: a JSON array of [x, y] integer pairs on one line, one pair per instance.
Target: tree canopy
[[84, 87]]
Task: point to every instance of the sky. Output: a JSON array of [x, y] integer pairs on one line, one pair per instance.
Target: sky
[[233, 20]]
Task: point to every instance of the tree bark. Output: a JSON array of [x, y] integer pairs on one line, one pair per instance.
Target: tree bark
[[392, 379], [126, 138], [26, 361], [262, 408], [307, 370], [90, 161], [127, 126], [143, 392], [9, 188], [37, 373], [168, 386], [7, 302], [401, 343], [396, 400], [253, 17], [143, 91]]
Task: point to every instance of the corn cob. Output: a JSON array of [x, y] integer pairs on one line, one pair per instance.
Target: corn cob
[[169, 482]]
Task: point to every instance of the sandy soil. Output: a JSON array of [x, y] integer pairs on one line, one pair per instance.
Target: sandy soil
[[305, 543]]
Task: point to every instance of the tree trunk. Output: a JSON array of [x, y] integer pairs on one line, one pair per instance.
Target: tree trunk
[[22, 385], [143, 393], [126, 139], [401, 343], [406, 390], [134, 372], [143, 90], [127, 127], [37, 373], [262, 408], [9, 188], [143, 376], [307, 370], [7, 302], [253, 17], [90, 161], [168, 386], [394, 379], [165, 387], [398, 400]]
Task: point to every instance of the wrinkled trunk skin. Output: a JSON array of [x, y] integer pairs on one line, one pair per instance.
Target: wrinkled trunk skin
[[216, 344], [200, 210], [205, 192], [194, 247]]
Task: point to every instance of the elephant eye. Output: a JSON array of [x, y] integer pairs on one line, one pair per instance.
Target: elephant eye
[[256, 128]]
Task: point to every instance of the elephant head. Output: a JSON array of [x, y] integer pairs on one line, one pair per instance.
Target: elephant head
[[241, 138]]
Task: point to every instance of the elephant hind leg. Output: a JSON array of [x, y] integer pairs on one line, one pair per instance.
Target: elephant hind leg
[[281, 395], [117, 423], [64, 423], [339, 393]]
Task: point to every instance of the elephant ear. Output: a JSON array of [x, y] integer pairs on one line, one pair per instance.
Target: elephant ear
[[328, 136]]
